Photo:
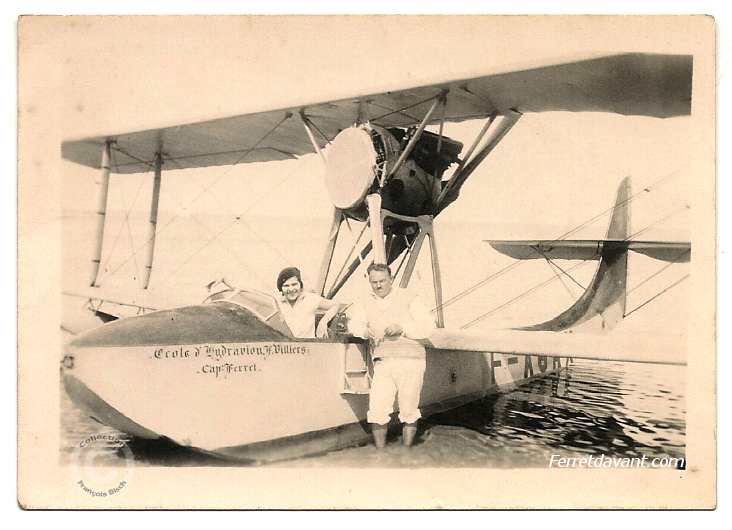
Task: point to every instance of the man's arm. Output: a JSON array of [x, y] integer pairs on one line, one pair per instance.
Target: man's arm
[[357, 324], [422, 323]]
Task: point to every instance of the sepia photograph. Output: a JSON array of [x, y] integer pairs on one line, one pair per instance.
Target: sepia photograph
[[372, 262]]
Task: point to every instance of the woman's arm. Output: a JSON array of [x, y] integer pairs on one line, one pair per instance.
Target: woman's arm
[[326, 304], [333, 308]]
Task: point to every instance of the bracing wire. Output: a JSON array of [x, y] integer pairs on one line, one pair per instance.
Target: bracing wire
[[657, 295], [401, 111], [355, 239], [237, 219], [551, 263], [408, 249], [566, 287], [310, 122], [519, 297], [653, 225], [547, 282], [610, 210], [647, 189], [478, 285], [129, 233], [177, 215], [126, 219], [200, 249], [672, 262]]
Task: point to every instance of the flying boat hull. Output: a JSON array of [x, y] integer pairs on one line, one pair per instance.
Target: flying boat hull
[[258, 398]]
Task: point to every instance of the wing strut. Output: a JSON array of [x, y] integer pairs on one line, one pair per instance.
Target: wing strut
[[416, 136], [452, 188], [306, 124], [477, 141], [425, 229], [102, 195], [373, 201], [153, 216], [332, 238], [417, 227], [350, 270], [335, 226]]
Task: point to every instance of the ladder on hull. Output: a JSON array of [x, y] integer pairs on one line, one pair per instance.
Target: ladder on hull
[[358, 369]]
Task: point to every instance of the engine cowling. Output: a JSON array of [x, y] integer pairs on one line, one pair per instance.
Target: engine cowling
[[361, 159]]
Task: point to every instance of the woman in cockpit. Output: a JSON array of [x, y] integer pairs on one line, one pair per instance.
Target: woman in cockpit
[[298, 307]]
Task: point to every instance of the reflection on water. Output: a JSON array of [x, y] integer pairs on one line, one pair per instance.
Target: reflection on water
[[591, 408]]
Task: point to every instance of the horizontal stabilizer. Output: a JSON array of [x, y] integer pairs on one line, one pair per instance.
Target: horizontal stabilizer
[[536, 249], [663, 250], [587, 249], [605, 296]]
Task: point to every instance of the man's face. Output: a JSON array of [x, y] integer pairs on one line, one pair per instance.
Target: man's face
[[380, 282]]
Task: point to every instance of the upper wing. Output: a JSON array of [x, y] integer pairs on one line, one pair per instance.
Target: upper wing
[[631, 84]]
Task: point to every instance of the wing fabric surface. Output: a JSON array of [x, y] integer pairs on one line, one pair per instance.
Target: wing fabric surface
[[663, 250], [614, 347], [536, 249], [632, 84]]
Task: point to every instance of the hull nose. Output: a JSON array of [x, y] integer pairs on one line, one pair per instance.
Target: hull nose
[[99, 410], [217, 322], [102, 369]]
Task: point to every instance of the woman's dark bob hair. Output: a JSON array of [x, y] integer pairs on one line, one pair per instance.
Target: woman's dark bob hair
[[286, 274]]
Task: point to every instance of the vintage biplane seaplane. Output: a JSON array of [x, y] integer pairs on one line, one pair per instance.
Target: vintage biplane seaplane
[[227, 377]]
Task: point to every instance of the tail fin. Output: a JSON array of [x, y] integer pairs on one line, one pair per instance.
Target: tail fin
[[620, 223], [605, 296]]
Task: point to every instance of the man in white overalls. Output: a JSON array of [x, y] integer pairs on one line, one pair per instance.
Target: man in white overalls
[[394, 320]]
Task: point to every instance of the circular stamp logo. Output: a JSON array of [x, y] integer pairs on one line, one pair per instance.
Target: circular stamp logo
[[102, 465]]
